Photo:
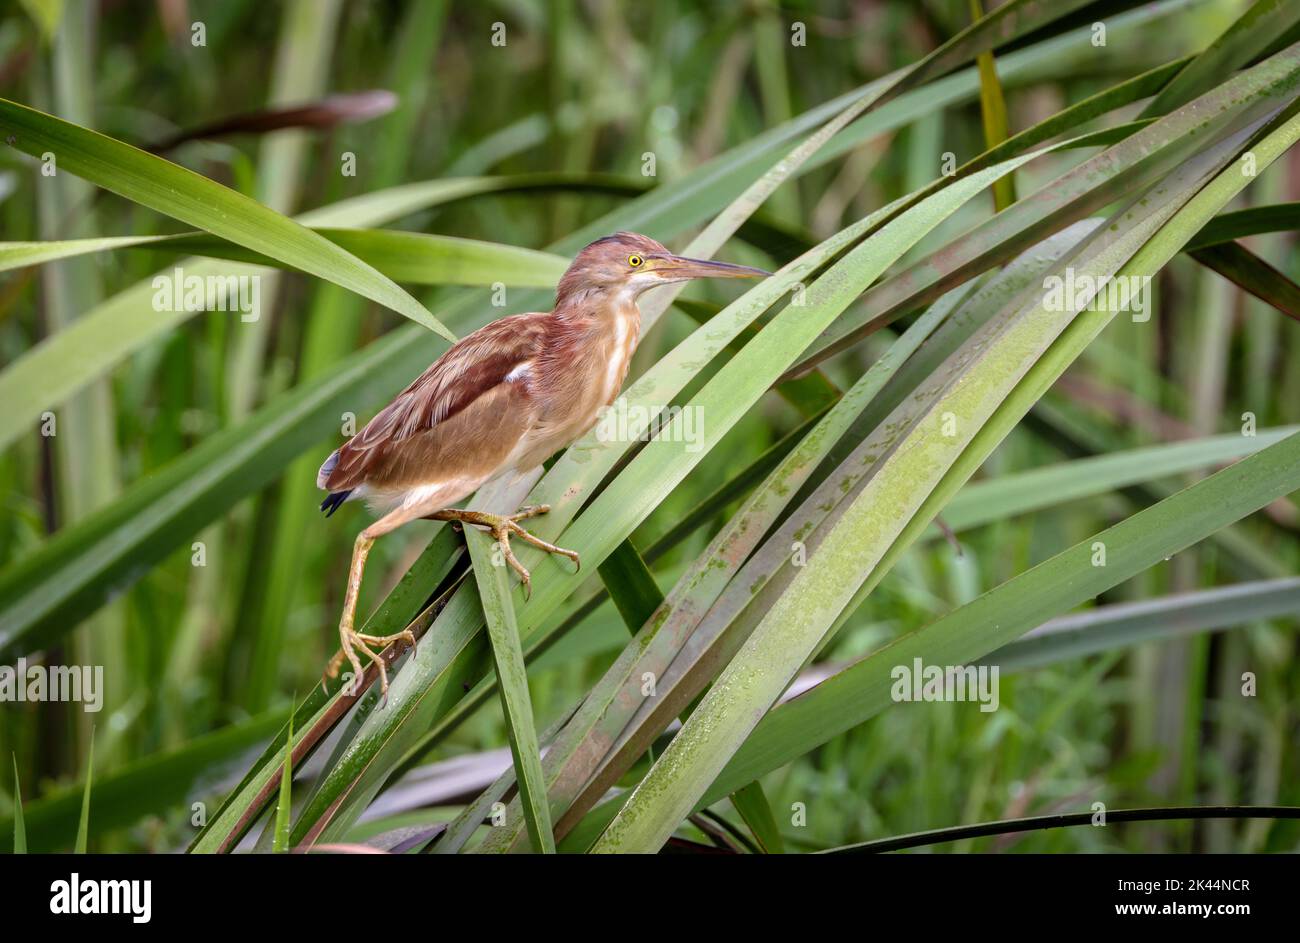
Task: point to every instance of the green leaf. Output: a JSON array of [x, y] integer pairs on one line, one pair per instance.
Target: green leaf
[[83, 824], [1122, 625], [60, 365], [192, 198], [1005, 496], [630, 584], [410, 257], [1280, 217], [21, 254], [753, 807], [1247, 38], [993, 110], [422, 259], [20, 828], [512, 682], [284, 808], [1243, 268]]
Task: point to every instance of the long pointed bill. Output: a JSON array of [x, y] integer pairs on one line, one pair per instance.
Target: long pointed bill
[[678, 267]]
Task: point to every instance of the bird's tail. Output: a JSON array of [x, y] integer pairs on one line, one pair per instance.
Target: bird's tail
[[331, 504]]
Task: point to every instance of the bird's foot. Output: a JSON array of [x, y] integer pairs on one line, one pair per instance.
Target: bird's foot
[[502, 527], [352, 642]]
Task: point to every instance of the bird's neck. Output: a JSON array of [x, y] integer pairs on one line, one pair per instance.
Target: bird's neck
[[596, 301], [596, 340]]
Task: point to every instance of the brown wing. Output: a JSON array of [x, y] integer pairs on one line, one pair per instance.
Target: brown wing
[[472, 369]]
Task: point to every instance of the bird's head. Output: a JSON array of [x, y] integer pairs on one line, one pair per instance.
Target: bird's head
[[629, 263]]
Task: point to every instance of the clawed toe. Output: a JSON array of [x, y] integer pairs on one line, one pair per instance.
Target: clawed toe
[[354, 642]]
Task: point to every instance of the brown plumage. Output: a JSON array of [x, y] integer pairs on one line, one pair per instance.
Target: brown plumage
[[501, 400]]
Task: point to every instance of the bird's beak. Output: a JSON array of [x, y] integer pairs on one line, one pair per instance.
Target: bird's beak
[[678, 268]]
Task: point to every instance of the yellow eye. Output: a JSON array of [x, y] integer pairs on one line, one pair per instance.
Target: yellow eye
[[634, 260]]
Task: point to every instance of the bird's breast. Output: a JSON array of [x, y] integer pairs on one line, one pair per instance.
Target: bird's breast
[[618, 350], [587, 371]]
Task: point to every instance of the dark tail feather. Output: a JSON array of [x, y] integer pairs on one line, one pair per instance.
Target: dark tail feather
[[331, 504]]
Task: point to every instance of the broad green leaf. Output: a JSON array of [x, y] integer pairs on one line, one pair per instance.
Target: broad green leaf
[[408, 257], [1122, 625], [630, 584], [995, 499], [194, 199], [512, 683], [421, 259], [21, 254]]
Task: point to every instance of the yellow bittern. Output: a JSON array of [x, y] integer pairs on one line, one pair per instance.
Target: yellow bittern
[[503, 399]]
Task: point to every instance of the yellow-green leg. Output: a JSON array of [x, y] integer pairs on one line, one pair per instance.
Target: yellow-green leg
[[351, 641]]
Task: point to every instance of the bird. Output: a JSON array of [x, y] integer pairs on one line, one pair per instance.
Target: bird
[[501, 400]]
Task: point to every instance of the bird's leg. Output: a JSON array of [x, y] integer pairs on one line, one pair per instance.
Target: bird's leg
[[501, 526], [351, 641]]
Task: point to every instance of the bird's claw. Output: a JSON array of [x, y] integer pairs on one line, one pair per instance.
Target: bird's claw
[[352, 642], [509, 524]]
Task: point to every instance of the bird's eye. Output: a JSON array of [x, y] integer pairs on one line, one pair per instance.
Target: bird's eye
[[634, 260]]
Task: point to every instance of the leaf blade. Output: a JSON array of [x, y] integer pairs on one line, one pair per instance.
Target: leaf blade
[[194, 199]]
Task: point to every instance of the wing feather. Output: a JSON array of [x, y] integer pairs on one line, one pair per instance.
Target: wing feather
[[471, 368]]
